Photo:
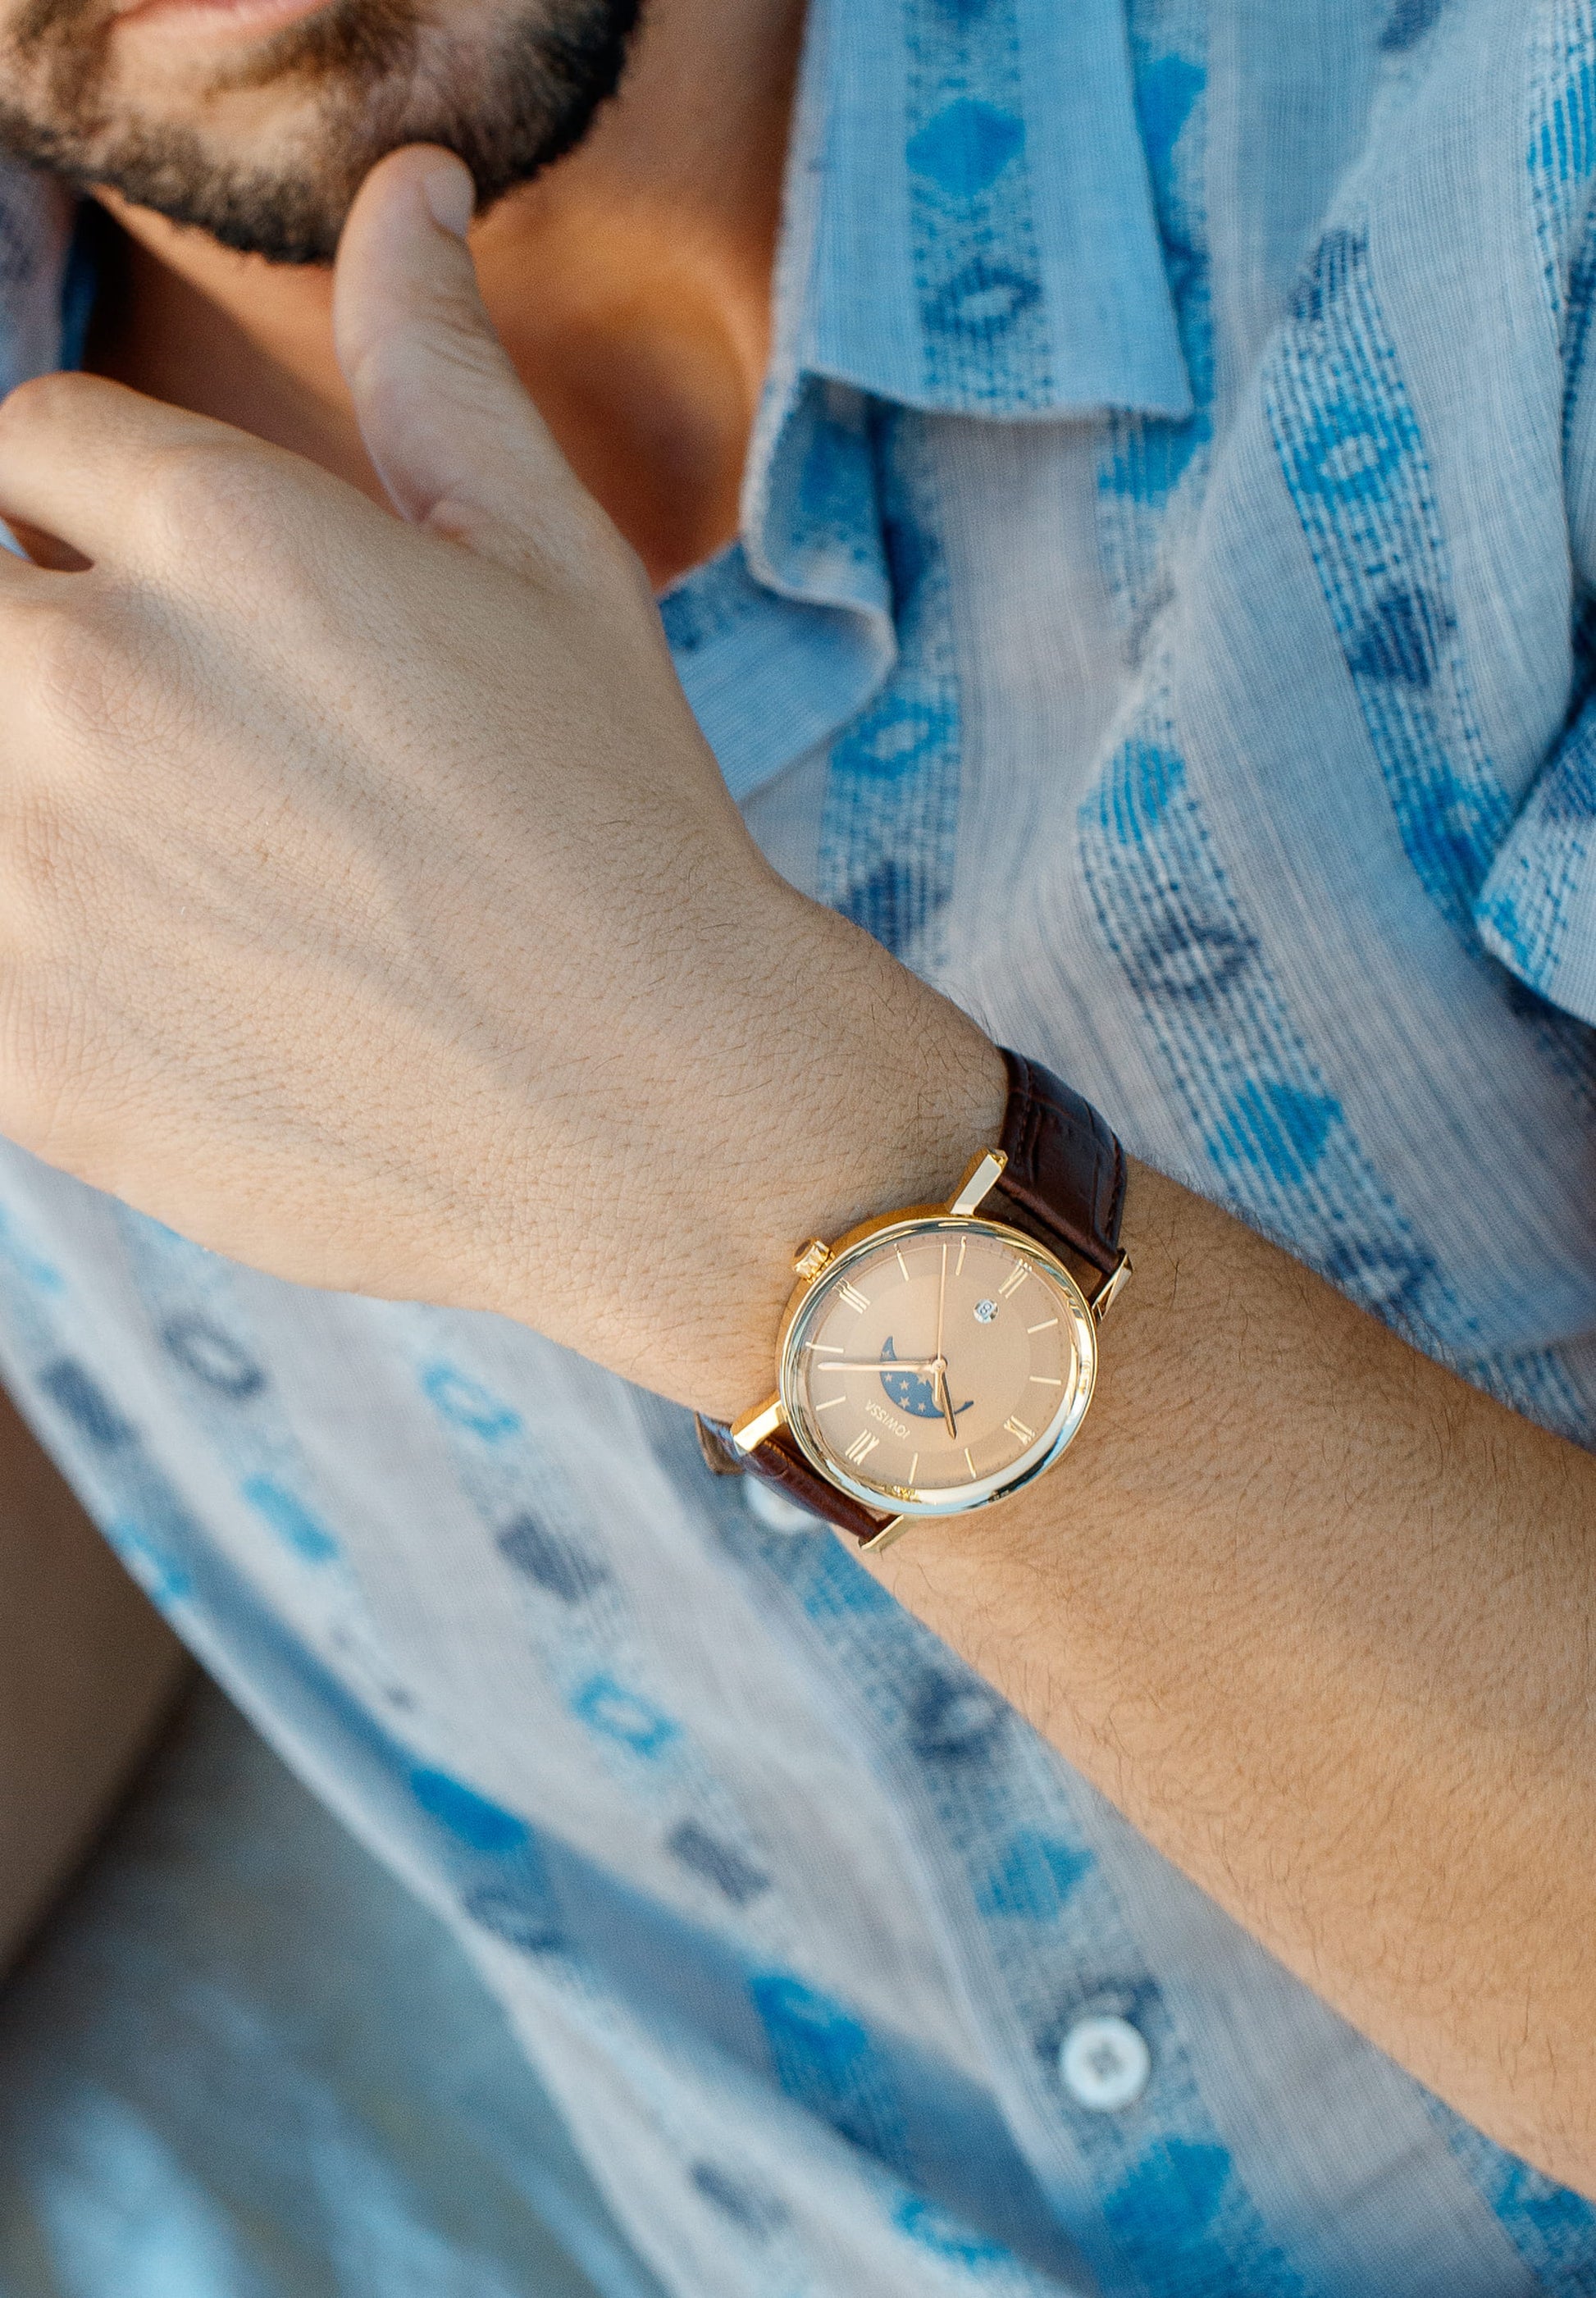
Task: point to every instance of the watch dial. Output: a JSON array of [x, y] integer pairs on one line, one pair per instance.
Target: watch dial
[[937, 1362]]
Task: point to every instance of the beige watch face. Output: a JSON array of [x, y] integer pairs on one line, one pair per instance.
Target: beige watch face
[[937, 1364]]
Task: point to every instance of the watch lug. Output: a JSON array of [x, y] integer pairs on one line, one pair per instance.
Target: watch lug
[[1111, 1288], [893, 1529], [982, 1172], [753, 1427]]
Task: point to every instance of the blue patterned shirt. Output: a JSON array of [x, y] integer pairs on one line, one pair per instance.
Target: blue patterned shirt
[[1163, 616]]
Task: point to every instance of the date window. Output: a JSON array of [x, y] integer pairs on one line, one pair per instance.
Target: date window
[[985, 1311]]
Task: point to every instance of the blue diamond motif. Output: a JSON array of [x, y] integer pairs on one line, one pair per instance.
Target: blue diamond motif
[[966, 147]]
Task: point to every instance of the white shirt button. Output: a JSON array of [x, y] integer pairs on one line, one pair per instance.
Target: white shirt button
[[1105, 2063], [771, 1508]]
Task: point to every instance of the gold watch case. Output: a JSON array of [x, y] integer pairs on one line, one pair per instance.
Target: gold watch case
[[933, 1360]]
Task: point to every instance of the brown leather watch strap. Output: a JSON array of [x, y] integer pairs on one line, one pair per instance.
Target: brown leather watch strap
[[778, 1461], [1064, 1186], [1064, 1182]]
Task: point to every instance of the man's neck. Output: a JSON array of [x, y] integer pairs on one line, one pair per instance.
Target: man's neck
[[631, 286]]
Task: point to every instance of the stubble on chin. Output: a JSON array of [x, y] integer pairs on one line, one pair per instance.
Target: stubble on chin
[[58, 55], [267, 152]]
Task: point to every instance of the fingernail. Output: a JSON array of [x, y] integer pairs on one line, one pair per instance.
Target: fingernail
[[451, 195]]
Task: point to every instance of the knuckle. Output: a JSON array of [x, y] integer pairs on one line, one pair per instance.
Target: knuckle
[[208, 500], [71, 664], [443, 348], [44, 402]]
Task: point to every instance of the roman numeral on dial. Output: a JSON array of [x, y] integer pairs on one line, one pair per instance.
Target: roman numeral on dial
[[863, 1445], [1013, 1280], [1018, 1428], [853, 1296]]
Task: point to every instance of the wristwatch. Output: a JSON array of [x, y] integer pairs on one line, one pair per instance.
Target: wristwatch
[[938, 1358]]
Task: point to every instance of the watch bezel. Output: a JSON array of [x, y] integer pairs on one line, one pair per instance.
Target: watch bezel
[[802, 1312]]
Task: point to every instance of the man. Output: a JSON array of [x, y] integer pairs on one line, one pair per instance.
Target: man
[[1151, 622]]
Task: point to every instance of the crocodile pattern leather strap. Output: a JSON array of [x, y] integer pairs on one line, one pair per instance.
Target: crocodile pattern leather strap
[[1064, 1186], [1064, 1183]]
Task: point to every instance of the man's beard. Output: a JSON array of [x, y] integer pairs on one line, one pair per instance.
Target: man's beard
[[379, 73]]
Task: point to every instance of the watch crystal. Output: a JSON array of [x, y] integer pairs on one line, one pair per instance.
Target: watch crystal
[[937, 1363]]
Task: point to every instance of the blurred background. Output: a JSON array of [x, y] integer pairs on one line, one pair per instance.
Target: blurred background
[[237, 2057]]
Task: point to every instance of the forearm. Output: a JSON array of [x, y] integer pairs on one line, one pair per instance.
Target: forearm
[[1315, 1614], [88, 1671], [1318, 1617]]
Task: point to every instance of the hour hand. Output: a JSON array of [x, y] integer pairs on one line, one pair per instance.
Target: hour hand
[[944, 1399]]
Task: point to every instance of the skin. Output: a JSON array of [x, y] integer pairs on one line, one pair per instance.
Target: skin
[[646, 340], [379, 864]]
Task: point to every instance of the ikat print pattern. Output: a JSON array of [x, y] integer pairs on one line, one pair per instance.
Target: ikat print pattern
[[1354, 459], [1350, 448], [1150, 481], [1538, 886], [1561, 157], [1268, 1125], [1553, 2229], [1179, 2219], [892, 793], [976, 266], [588, 1799]]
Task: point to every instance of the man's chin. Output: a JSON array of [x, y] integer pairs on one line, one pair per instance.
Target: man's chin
[[289, 214], [295, 122]]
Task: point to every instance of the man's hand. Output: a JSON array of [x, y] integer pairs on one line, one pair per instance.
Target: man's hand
[[371, 907]]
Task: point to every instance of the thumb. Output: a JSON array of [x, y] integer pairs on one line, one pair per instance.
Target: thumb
[[450, 430]]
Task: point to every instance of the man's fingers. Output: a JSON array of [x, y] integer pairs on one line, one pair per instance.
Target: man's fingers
[[446, 421], [78, 457]]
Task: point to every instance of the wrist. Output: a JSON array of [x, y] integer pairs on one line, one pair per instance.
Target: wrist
[[873, 1093], [799, 1081], [941, 1355]]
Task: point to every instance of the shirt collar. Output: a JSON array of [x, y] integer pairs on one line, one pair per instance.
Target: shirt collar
[[971, 228], [970, 224]]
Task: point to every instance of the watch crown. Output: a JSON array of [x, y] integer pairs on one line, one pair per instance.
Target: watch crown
[[813, 1259]]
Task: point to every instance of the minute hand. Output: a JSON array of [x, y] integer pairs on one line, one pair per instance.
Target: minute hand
[[940, 1365], [884, 1364]]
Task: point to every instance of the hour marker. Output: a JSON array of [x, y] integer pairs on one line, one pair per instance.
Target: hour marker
[[1043, 1380], [829, 1402], [1046, 1325], [968, 1463], [902, 1264], [863, 1445], [825, 1348], [1018, 1428], [914, 1466], [1013, 1280], [853, 1296], [963, 1248]]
